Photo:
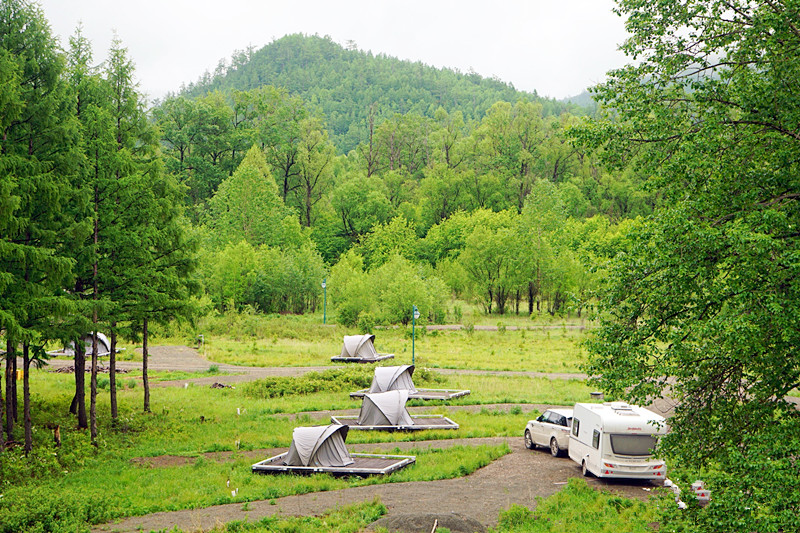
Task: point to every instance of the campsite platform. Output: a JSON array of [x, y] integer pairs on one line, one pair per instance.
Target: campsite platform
[[423, 394], [420, 422], [364, 465], [380, 357]]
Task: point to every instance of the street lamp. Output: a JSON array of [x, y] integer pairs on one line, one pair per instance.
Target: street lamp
[[414, 317], [324, 299]]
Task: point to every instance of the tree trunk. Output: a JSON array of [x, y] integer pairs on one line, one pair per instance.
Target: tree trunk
[[112, 371], [144, 368], [93, 387], [530, 298], [79, 401], [26, 398], [95, 297], [2, 415], [13, 393], [9, 389]]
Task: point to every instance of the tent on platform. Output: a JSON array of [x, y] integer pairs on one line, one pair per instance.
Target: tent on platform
[[387, 378], [360, 349], [385, 409], [319, 446]]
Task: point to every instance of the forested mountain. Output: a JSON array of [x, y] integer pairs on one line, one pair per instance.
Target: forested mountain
[[345, 83]]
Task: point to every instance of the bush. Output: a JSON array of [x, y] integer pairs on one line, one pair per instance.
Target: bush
[[334, 380], [366, 322], [388, 293]]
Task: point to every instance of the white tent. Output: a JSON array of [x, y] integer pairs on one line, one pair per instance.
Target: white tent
[[103, 346], [388, 378], [359, 346], [385, 409], [319, 446]]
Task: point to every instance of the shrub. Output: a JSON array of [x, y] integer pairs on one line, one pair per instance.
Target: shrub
[[366, 322]]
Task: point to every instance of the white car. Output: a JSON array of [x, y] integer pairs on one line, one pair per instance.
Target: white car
[[551, 430]]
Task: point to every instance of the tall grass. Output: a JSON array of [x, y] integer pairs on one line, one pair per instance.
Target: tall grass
[[348, 519], [579, 509]]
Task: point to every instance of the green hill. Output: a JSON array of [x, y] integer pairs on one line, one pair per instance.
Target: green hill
[[343, 84]]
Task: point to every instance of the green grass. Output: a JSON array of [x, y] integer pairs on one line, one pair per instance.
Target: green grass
[[82, 475], [579, 509], [348, 519], [539, 350], [69, 487]]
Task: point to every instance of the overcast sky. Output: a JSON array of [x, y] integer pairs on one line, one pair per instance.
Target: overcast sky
[[555, 47]]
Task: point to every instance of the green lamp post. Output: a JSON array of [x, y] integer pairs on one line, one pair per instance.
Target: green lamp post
[[414, 317], [324, 299]]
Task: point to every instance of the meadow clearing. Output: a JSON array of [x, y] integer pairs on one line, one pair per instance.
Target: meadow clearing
[[75, 486]]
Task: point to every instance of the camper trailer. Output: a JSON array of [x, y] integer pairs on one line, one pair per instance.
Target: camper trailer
[[616, 440]]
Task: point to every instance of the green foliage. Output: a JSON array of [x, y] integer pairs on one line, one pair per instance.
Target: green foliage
[[345, 380], [247, 207], [578, 508], [388, 292], [40, 509], [267, 278], [704, 302], [292, 61]]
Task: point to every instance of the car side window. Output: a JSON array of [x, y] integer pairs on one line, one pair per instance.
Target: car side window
[[595, 439], [542, 417], [576, 424]]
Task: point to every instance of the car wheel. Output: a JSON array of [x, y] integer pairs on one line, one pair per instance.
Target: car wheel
[[529, 441], [555, 451], [584, 470]]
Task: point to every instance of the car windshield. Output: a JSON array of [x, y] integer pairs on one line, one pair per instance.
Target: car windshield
[[633, 444]]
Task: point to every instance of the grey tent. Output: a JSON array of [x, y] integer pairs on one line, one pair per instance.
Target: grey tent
[[388, 378], [385, 409], [360, 348], [103, 346], [319, 446]]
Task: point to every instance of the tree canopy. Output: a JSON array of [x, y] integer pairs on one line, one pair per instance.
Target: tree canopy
[[703, 304]]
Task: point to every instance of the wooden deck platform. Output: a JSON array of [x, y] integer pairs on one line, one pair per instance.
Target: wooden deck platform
[[420, 422], [381, 357], [364, 465], [423, 394]]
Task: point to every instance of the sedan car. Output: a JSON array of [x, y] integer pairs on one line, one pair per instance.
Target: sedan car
[[551, 430]]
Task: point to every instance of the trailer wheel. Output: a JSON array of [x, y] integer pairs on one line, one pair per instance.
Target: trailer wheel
[[529, 441], [584, 470], [555, 451]]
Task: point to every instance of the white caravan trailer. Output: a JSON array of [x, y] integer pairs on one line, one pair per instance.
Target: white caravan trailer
[[616, 440]]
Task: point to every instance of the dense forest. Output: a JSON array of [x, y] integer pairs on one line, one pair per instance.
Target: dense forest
[[429, 183], [346, 84]]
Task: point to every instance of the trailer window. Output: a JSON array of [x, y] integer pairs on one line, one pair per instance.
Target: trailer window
[[595, 439], [633, 444], [575, 425]]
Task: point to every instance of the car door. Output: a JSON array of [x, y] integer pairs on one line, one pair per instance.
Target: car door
[[540, 432]]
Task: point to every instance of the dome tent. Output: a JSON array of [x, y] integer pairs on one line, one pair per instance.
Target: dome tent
[[385, 409], [388, 378], [319, 446], [360, 349], [103, 346]]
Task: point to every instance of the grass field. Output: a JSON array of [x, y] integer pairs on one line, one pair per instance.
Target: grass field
[[536, 349], [70, 487]]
